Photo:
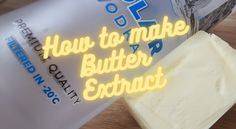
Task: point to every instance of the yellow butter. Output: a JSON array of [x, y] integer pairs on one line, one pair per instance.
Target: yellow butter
[[201, 86]]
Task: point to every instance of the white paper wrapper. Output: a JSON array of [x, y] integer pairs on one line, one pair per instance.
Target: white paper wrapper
[[25, 106]]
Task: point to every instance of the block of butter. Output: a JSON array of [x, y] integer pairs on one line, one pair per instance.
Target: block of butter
[[201, 87]]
